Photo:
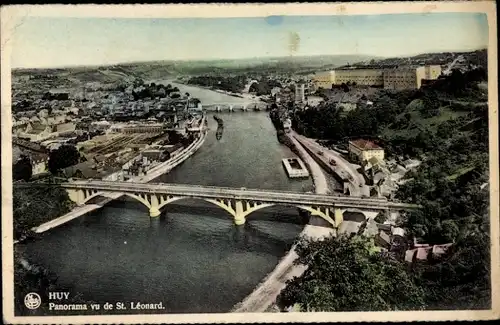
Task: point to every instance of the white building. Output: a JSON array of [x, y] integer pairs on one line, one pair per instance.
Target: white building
[[287, 124], [100, 126], [300, 90], [363, 150]]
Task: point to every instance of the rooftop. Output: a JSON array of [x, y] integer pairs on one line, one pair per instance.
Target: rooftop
[[365, 144]]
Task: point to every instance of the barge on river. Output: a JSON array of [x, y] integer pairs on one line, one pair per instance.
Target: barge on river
[[295, 168], [219, 120]]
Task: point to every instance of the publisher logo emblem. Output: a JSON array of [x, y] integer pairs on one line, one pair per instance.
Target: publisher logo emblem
[[32, 300]]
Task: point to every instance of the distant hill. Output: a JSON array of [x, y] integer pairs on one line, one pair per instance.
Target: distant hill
[[476, 58], [158, 69]]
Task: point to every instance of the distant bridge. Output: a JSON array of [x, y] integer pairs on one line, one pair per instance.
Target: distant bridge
[[239, 203], [219, 107]]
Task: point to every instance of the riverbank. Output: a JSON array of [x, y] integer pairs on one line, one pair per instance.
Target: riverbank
[[156, 172], [268, 291]]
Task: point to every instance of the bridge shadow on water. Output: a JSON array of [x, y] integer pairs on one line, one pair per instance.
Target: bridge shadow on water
[[278, 213], [271, 230]]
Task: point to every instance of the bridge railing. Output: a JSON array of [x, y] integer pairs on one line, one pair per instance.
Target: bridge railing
[[225, 190], [238, 194], [235, 193]]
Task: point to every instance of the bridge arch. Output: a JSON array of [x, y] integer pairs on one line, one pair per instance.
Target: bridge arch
[[323, 212], [238, 209], [90, 197], [87, 195], [354, 215]]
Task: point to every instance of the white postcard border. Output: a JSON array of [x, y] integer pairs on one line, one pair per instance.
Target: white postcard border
[[13, 15]]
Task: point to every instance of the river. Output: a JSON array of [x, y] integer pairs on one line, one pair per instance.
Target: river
[[192, 258]]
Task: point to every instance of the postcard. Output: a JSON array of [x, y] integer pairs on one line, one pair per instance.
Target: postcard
[[250, 163]]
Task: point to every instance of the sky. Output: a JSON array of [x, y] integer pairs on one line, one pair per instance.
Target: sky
[[55, 42]]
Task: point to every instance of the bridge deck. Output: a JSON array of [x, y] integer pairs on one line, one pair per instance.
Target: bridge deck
[[271, 196]]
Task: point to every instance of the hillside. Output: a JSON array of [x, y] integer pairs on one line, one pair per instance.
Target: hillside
[[474, 58], [444, 125]]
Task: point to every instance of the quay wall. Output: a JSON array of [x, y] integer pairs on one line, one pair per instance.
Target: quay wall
[[323, 164]]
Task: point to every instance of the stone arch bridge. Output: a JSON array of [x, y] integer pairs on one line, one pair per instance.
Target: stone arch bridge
[[238, 202], [250, 106]]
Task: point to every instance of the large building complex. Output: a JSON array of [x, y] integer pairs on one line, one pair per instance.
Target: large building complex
[[410, 78], [137, 128], [324, 79], [388, 78]]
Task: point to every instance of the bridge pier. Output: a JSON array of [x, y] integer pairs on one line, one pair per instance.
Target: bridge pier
[[338, 216], [77, 196], [154, 211], [239, 215]]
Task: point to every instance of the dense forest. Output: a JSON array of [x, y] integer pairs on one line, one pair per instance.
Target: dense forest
[[446, 126]]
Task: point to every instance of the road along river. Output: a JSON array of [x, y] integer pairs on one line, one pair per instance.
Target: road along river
[[192, 258]]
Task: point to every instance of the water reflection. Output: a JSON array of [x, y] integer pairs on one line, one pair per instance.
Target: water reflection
[[220, 131], [220, 127]]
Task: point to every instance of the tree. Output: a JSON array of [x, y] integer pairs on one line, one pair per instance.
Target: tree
[[381, 217], [449, 230], [350, 274], [174, 137], [22, 169], [63, 157], [254, 88]]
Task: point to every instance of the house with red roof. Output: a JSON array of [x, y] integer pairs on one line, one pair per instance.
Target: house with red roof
[[362, 150]]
